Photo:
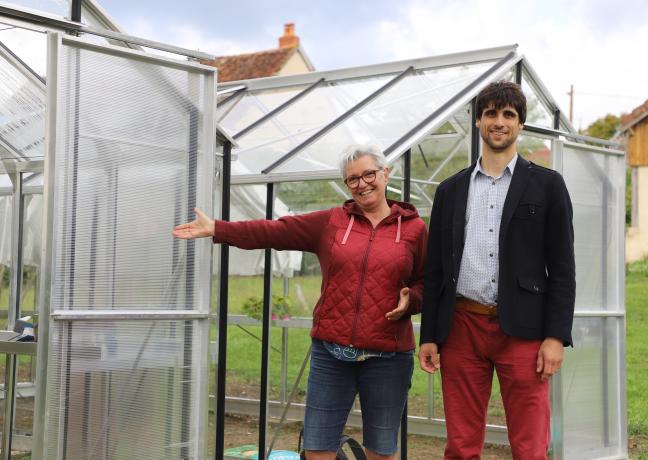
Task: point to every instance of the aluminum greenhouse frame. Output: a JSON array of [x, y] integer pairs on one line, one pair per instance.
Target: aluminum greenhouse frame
[[274, 131]]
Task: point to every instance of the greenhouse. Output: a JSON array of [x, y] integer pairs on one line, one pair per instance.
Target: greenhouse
[[151, 347]]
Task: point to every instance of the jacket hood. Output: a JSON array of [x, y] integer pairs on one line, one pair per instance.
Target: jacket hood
[[398, 208]]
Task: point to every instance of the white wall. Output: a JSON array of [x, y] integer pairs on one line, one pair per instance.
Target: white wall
[[637, 235]]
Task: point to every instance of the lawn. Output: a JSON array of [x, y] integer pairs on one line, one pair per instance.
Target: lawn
[[636, 357]]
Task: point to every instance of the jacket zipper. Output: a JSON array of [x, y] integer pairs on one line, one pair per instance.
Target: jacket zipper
[[362, 278]]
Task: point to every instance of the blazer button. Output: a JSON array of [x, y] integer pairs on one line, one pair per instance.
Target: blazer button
[[536, 288], [453, 280]]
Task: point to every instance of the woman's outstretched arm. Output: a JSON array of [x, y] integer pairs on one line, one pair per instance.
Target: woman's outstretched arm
[[296, 233]]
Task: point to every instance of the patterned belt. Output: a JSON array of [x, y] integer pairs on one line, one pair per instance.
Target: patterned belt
[[464, 304]]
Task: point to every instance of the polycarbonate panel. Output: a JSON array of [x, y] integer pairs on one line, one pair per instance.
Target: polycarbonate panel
[[248, 203], [537, 113], [252, 106], [596, 184], [388, 117], [133, 156], [125, 389], [32, 241], [591, 390], [287, 129], [22, 109], [130, 164], [6, 186], [441, 155]]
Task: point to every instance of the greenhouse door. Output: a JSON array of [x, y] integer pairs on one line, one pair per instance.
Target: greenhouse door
[[124, 320], [589, 411]]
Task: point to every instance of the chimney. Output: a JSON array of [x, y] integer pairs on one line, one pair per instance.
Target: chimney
[[289, 39]]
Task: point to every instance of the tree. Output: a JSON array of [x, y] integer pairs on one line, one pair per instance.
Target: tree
[[604, 127]]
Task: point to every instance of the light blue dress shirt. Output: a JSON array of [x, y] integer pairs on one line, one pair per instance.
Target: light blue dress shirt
[[479, 271]]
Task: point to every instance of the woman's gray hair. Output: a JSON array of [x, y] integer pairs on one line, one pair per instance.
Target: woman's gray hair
[[356, 151]]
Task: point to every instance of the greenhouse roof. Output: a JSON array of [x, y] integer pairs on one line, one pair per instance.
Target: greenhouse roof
[[294, 127]]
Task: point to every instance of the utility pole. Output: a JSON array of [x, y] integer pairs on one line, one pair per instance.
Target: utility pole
[[571, 103]]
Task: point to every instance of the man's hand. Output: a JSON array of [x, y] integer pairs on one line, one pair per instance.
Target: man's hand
[[201, 227], [403, 304], [429, 357], [550, 357]]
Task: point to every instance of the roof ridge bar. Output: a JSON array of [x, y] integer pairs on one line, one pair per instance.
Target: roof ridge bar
[[339, 119], [278, 109], [450, 102], [234, 94], [372, 70]]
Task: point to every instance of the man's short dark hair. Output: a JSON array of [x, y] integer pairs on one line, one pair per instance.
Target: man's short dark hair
[[500, 94]]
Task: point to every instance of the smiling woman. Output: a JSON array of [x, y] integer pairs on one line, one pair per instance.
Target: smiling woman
[[371, 255]]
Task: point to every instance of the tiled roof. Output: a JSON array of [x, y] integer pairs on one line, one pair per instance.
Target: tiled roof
[[628, 120], [252, 65]]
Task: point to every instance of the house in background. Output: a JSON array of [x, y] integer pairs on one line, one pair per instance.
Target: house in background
[[289, 58], [634, 134]]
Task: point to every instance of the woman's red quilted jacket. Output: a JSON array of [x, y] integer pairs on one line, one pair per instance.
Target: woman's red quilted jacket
[[363, 268]]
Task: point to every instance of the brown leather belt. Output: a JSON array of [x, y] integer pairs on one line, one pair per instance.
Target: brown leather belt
[[464, 304]]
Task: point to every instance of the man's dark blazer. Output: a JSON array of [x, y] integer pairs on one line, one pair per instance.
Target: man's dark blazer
[[536, 256]]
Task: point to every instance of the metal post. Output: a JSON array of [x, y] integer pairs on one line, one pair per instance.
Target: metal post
[[518, 73], [284, 350], [474, 132], [75, 10], [17, 215], [222, 308], [556, 120], [265, 335], [407, 177], [557, 446], [605, 233], [407, 174]]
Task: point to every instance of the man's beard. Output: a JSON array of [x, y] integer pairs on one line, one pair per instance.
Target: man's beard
[[499, 147]]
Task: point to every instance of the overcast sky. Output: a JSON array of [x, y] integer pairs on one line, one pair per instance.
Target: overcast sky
[[596, 45]]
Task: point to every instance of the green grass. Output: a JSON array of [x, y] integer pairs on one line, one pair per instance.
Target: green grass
[[243, 287], [637, 347]]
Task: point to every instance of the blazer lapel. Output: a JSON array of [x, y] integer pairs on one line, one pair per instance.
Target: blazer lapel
[[459, 217], [518, 184]]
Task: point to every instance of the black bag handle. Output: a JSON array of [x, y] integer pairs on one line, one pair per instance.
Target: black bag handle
[[356, 448]]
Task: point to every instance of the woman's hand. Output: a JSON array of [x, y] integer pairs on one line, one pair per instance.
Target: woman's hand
[[403, 304], [201, 227]]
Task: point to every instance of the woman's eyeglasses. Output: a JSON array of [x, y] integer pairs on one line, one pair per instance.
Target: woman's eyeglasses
[[368, 177]]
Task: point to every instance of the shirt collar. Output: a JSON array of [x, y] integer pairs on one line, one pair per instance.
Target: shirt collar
[[510, 166]]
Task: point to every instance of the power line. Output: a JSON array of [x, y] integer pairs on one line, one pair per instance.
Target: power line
[[619, 96]]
